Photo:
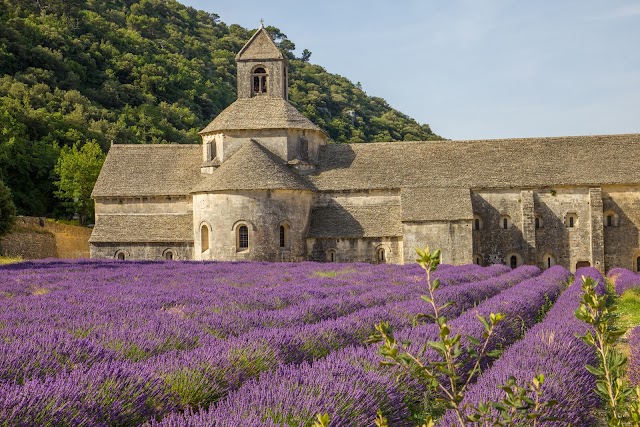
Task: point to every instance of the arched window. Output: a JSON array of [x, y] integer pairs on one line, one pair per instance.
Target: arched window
[[611, 219], [120, 255], [539, 223], [381, 255], [168, 255], [204, 237], [505, 222], [243, 237], [259, 76], [513, 261], [331, 255], [571, 220], [477, 259], [477, 222], [548, 261], [638, 264], [284, 236]]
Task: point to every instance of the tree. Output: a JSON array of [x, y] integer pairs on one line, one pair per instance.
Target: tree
[[77, 170], [7, 209]]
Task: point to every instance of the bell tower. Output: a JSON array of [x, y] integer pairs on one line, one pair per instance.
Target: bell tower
[[262, 68]]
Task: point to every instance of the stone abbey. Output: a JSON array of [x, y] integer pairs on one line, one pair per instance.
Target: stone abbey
[[265, 186]]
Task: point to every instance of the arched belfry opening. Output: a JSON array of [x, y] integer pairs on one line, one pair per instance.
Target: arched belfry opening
[[262, 68], [260, 80]]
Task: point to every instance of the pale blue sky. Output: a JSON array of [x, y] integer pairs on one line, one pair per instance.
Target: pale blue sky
[[474, 69]]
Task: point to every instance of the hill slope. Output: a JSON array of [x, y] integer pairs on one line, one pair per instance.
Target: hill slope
[[142, 71]]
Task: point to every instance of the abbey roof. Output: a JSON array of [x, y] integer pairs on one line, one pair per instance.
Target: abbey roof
[[149, 170], [352, 221], [506, 163], [252, 167], [259, 112], [143, 228]]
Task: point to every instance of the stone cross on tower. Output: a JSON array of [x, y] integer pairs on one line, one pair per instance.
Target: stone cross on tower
[[262, 23]]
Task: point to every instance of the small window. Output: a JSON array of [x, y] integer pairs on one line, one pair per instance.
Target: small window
[[331, 255], [477, 260], [548, 261], [537, 220], [638, 264], [243, 237], [505, 222], [204, 237], [284, 236], [476, 224], [168, 255], [381, 256], [513, 261], [611, 219], [571, 220], [120, 255]]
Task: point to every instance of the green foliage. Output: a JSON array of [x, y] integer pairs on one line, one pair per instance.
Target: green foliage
[[7, 209], [77, 170], [322, 420], [600, 311], [445, 375], [142, 71]]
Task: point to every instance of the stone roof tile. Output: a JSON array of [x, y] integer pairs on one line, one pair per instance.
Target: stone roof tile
[[436, 204], [353, 221], [259, 112], [158, 228], [149, 170], [252, 167], [506, 163]]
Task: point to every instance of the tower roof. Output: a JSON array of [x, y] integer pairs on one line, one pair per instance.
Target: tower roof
[[260, 112], [252, 167], [260, 46]]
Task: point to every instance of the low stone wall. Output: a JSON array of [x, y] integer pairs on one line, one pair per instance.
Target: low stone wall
[[35, 238]]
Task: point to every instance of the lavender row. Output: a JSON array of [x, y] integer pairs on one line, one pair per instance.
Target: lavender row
[[209, 372], [623, 279], [293, 394], [633, 368], [553, 349]]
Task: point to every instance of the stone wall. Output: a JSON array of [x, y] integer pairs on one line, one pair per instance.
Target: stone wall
[[356, 249], [36, 238], [453, 238], [262, 211], [538, 226], [622, 237], [145, 251]]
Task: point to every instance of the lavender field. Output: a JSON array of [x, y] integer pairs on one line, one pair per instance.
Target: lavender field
[[107, 343]]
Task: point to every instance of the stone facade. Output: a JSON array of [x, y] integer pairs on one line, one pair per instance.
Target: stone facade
[[265, 185]]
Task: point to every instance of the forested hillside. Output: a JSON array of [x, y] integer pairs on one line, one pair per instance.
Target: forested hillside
[[142, 71]]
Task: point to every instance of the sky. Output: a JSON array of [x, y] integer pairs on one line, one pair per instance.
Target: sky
[[473, 69]]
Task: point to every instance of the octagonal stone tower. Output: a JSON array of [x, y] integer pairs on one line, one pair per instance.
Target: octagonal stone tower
[[262, 112], [254, 201]]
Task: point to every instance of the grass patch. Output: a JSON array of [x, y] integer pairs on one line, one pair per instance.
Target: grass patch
[[332, 273], [629, 312], [629, 308], [9, 260]]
